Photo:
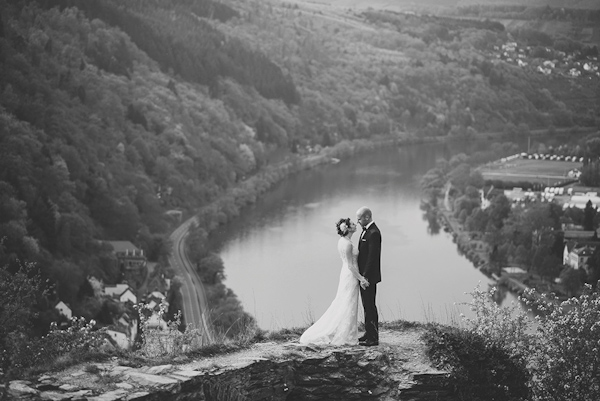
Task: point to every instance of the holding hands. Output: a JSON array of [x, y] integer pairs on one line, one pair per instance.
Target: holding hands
[[364, 283]]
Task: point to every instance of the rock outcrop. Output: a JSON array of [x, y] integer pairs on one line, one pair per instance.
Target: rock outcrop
[[397, 369]]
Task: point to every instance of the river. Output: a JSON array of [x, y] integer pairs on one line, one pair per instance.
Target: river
[[281, 255]]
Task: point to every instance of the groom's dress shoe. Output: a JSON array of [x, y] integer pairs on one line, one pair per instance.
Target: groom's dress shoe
[[369, 343], [362, 338]]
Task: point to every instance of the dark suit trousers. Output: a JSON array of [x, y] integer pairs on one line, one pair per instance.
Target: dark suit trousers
[[371, 317]]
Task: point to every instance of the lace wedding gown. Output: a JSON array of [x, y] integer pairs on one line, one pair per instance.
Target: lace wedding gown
[[339, 323]]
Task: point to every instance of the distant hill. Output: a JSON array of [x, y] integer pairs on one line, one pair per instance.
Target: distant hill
[[398, 5], [581, 4]]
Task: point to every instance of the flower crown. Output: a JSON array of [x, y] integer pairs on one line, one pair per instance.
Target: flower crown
[[343, 225]]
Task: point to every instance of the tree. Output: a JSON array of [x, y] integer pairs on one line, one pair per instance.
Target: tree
[[498, 210], [594, 266], [211, 269], [588, 216], [571, 281]]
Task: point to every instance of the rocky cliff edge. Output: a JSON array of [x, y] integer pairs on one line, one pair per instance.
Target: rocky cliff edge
[[397, 369]]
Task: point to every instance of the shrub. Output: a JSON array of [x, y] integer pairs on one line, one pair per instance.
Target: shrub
[[20, 291], [565, 358], [167, 339], [505, 327], [479, 371], [562, 353], [79, 341]]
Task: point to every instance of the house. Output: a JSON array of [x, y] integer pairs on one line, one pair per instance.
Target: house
[[177, 215], [128, 296], [129, 257], [514, 271], [152, 305], [64, 309], [124, 331], [157, 295], [578, 235], [569, 246], [581, 200], [122, 292], [579, 256], [515, 194], [119, 336], [115, 290]]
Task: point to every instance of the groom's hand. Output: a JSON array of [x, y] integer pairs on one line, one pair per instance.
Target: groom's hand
[[364, 284]]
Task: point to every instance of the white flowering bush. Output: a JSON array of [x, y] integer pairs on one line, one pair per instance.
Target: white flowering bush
[[164, 339], [560, 348], [77, 341], [506, 327], [565, 358]]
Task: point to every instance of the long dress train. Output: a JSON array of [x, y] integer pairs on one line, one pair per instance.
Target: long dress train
[[339, 323]]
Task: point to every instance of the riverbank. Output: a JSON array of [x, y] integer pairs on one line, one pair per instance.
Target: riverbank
[[476, 250]]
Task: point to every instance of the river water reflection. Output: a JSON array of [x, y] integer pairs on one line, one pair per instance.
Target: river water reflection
[[281, 256]]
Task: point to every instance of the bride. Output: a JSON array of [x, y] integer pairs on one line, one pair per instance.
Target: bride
[[339, 323]]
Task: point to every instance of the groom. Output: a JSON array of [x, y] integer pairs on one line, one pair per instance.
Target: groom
[[369, 265]]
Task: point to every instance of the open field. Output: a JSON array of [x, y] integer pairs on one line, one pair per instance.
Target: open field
[[549, 172]]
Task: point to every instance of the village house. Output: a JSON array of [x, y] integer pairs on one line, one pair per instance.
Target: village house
[[156, 295], [129, 257], [64, 309], [124, 332], [119, 336], [579, 235], [578, 257], [122, 292]]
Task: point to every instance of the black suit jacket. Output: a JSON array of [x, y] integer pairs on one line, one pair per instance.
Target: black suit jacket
[[369, 254]]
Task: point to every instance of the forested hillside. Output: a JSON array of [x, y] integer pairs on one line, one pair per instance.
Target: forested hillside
[[97, 142], [114, 112]]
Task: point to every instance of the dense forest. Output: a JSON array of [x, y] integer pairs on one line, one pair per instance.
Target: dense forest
[[114, 112]]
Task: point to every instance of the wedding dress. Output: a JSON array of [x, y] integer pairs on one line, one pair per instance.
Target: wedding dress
[[339, 323]]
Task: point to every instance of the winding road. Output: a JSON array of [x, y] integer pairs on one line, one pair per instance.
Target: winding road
[[195, 305]]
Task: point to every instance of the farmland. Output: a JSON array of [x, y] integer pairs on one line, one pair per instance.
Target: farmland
[[548, 172]]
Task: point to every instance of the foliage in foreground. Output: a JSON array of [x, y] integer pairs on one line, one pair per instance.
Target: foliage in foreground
[[560, 349], [479, 370], [167, 341], [59, 348], [565, 356]]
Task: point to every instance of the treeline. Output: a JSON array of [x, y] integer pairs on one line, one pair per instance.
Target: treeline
[[435, 27], [176, 35], [530, 12], [421, 74]]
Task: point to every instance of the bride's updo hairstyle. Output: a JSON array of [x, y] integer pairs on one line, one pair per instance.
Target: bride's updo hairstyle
[[342, 226]]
